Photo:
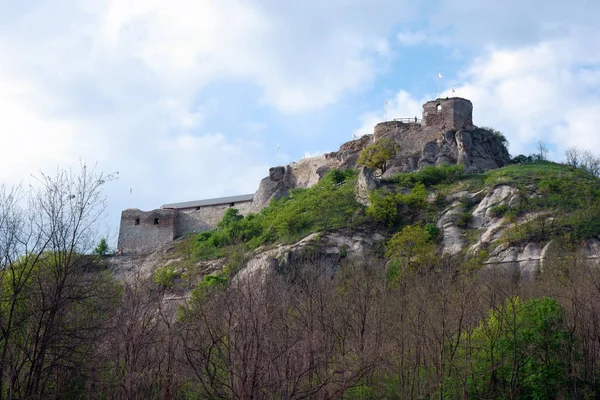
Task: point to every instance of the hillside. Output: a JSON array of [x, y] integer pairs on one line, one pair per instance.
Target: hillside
[[509, 218], [440, 282], [417, 262]]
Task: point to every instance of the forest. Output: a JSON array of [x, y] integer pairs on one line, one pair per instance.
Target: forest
[[404, 321]]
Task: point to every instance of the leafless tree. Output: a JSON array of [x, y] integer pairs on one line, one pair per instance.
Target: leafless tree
[[54, 305]]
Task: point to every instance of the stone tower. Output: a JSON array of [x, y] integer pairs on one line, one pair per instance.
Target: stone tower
[[449, 113]]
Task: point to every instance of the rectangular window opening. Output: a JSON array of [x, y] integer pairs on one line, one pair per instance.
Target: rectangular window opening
[[156, 221], [137, 221]]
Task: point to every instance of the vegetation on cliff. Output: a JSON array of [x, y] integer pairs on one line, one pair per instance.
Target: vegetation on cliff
[[400, 319], [328, 205]]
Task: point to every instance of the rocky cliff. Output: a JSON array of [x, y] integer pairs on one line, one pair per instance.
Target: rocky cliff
[[446, 138]]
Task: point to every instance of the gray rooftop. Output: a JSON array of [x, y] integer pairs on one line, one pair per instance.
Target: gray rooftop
[[210, 202]]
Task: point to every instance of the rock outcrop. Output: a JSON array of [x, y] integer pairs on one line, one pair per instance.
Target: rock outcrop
[[446, 136], [325, 250]]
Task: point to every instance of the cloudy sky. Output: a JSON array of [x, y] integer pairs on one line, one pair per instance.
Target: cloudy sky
[[189, 99]]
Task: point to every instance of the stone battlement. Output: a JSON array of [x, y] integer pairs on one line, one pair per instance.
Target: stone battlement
[[449, 113]]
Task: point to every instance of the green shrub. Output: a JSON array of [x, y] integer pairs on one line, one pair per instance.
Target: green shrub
[[497, 134], [328, 205], [165, 276], [430, 176], [102, 248], [463, 219], [376, 156], [521, 347], [393, 209], [433, 231], [498, 211], [410, 247]]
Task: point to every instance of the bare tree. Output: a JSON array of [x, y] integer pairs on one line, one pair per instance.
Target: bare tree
[[542, 150], [54, 305]]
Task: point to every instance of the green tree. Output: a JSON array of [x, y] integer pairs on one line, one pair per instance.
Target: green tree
[[411, 246], [520, 351], [376, 156], [102, 248]]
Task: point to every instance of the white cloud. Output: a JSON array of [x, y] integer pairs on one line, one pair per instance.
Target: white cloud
[[540, 92], [117, 81], [193, 42], [548, 92], [28, 133]]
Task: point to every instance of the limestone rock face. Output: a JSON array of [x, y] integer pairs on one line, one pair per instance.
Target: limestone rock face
[[476, 149], [329, 250], [453, 241], [366, 182], [501, 195]]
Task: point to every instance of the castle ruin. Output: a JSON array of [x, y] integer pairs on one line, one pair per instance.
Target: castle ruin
[[446, 135]]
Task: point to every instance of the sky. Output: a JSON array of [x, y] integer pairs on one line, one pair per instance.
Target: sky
[[193, 99]]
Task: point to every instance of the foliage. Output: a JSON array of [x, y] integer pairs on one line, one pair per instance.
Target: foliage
[[102, 248], [328, 205], [584, 160], [519, 351], [463, 219], [410, 247], [376, 155], [433, 231], [430, 176], [498, 210], [392, 209], [497, 134], [166, 276]]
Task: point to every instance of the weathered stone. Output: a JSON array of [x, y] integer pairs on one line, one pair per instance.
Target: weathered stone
[[500, 195], [142, 232], [449, 113], [365, 183], [276, 173], [453, 241], [329, 249]]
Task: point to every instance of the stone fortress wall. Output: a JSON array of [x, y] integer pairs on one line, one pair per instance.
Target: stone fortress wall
[[450, 113], [446, 135], [207, 217], [141, 232]]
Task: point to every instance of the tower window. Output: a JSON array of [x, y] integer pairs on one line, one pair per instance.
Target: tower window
[[156, 221], [137, 221], [232, 204], [439, 107]]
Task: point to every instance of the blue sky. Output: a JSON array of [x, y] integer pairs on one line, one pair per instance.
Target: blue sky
[[188, 99]]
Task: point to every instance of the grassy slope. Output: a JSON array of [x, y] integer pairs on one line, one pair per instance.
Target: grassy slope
[[568, 194]]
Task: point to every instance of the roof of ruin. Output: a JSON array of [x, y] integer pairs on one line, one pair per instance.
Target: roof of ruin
[[210, 202]]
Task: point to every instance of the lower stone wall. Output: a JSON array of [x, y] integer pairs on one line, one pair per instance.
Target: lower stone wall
[[141, 232], [207, 217]]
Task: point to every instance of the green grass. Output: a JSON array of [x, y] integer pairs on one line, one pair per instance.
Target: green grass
[[328, 205], [532, 173], [568, 193]]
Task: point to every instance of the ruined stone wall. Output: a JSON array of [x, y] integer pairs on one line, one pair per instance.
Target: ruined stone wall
[[206, 218], [450, 113], [141, 232]]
